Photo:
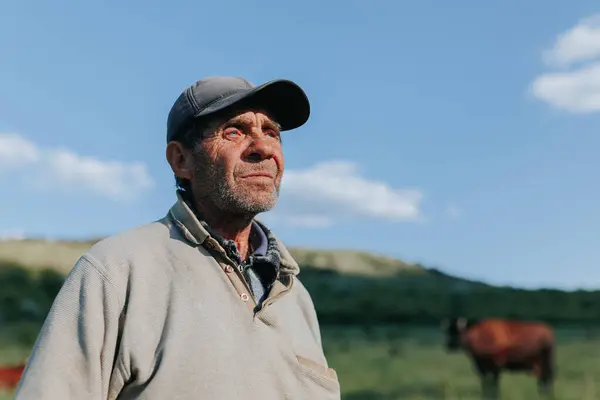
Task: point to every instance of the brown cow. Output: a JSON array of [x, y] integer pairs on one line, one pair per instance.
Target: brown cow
[[497, 344], [10, 376]]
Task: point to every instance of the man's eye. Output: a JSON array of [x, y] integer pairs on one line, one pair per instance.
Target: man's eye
[[233, 132], [272, 134]]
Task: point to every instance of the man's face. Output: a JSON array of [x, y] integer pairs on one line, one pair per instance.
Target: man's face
[[238, 164]]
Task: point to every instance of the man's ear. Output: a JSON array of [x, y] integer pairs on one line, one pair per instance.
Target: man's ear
[[178, 158]]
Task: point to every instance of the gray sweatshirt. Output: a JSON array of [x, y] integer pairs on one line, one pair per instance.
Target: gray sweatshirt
[[159, 312]]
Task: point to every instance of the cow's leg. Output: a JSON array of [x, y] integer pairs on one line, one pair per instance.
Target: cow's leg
[[546, 373], [486, 387], [489, 376], [545, 385], [490, 386], [482, 371], [495, 384]]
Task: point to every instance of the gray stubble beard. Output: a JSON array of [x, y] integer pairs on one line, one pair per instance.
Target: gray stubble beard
[[212, 185]]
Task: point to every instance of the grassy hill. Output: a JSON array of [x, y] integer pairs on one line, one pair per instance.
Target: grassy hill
[[347, 287], [37, 254]]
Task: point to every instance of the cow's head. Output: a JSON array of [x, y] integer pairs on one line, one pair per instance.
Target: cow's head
[[453, 329]]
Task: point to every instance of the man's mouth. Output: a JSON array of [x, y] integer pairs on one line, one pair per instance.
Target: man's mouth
[[258, 175]]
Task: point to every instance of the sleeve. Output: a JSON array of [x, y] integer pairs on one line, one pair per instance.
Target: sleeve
[[310, 313], [74, 352]]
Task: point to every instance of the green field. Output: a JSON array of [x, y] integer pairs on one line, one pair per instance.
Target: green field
[[421, 369], [15, 344], [410, 364], [385, 363]]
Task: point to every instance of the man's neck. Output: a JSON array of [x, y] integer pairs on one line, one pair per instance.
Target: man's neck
[[228, 226]]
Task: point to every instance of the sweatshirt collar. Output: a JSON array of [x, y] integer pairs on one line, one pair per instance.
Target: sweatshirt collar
[[192, 230]]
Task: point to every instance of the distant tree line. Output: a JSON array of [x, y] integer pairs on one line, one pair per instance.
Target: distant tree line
[[26, 296], [425, 299]]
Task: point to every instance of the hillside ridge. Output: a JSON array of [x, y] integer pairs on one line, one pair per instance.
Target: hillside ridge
[[36, 254]]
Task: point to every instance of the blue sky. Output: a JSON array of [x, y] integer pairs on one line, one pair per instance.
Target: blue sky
[[462, 135]]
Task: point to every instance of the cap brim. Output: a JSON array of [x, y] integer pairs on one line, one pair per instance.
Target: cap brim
[[283, 99]]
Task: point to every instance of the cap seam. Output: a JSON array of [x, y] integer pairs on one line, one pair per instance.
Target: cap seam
[[226, 94], [192, 100]]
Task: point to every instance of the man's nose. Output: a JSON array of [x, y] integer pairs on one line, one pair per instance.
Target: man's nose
[[261, 148]]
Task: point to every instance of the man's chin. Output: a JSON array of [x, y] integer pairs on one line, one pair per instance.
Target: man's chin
[[253, 206], [261, 207]]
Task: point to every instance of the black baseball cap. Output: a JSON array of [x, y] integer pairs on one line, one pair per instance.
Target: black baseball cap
[[283, 99]]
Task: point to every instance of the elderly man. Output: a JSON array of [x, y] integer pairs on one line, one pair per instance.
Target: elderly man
[[204, 303]]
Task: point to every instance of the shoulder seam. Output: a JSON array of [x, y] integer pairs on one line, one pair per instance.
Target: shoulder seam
[[119, 366], [92, 261]]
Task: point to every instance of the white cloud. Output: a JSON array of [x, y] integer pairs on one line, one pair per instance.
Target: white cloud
[[15, 151], [580, 43], [61, 168], [335, 190], [575, 90], [113, 179]]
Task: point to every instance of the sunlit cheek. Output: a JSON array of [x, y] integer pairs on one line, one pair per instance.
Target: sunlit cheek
[[278, 157], [228, 159]]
